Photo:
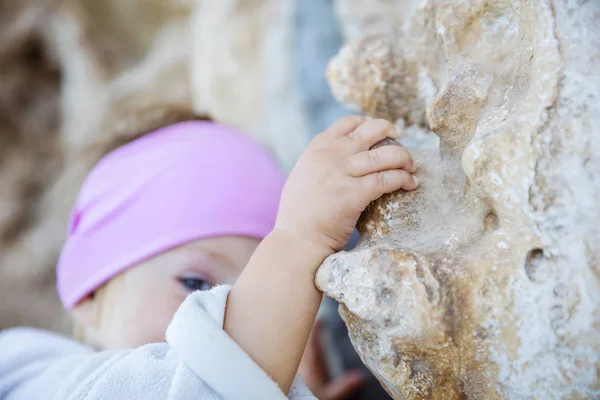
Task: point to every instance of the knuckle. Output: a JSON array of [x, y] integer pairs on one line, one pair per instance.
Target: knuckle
[[354, 119], [382, 179], [355, 134], [374, 158]]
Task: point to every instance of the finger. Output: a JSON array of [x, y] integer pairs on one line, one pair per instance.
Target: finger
[[379, 183], [341, 127], [367, 135], [345, 125], [395, 133], [380, 159], [344, 386]]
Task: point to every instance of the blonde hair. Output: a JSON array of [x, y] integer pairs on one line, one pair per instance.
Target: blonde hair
[[106, 298]]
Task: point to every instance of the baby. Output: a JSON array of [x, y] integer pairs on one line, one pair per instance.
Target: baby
[[195, 208]]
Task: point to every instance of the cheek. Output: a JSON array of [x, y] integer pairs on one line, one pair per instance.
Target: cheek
[[143, 317]]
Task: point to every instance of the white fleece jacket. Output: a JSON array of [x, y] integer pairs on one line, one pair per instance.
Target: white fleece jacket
[[199, 361]]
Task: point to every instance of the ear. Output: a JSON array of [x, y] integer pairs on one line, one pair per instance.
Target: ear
[[85, 313]]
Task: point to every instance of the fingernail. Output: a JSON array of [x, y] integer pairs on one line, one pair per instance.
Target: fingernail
[[413, 167], [417, 182], [395, 132]]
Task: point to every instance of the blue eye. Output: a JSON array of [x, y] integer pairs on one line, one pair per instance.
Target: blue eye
[[194, 284]]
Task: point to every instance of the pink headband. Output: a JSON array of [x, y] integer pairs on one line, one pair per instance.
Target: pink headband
[[181, 183]]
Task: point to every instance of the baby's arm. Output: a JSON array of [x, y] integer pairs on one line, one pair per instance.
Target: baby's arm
[[272, 307]]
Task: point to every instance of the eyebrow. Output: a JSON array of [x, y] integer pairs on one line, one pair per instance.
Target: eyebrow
[[215, 257], [219, 257]]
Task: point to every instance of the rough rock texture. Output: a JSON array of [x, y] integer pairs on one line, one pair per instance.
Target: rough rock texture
[[485, 282]]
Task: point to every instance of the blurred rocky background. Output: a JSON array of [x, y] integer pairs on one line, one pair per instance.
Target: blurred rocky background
[[77, 76]]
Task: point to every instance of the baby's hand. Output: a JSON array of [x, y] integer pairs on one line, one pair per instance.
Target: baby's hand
[[337, 177], [270, 310]]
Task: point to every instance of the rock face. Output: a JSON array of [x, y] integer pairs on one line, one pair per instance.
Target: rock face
[[485, 282]]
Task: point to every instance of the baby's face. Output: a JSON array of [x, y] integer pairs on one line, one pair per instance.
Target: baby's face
[[152, 291]]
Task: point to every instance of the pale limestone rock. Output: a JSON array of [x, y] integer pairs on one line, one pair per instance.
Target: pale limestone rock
[[115, 52], [485, 282], [242, 71]]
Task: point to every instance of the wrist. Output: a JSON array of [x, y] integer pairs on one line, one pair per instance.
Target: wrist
[[273, 304], [296, 246]]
